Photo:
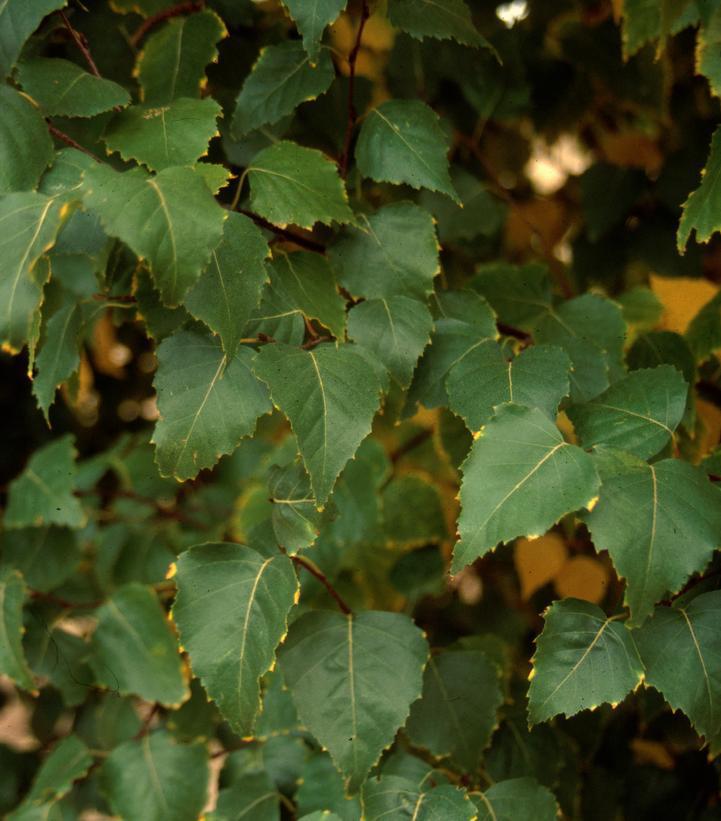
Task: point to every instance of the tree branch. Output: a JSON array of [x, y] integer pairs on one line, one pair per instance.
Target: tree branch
[[352, 113], [161, 16], [322, 578], [81, 43], [68, 140], [291, 236]]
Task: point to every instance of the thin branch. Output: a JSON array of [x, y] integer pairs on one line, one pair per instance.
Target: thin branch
[[411, 444], [352, 113], [68, 140], [322, 578], [516, 333], [291, 236], [316, 340], [161, 16], [64, 603], [80, 43]]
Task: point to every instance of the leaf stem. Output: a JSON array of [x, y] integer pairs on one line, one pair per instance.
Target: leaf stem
[[314, 570], [81, 44], [352, 113], [161, 16], [68, 140]]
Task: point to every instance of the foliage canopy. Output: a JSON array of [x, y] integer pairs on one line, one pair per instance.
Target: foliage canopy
[[373, 356]]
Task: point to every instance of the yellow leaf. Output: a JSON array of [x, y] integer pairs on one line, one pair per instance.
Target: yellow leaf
[[582, 577], [682, 299], [538, 561]]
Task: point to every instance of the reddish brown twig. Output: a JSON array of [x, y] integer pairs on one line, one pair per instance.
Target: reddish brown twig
[[161, 16], [64, 603], [291, 236], [311, 343], [323, 579], [411, 444], [352, 113], [516, 333], [80, 43], [68, 140]]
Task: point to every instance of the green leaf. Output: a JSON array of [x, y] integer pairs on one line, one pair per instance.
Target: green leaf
[[43, 493], [458, 710], [63, 88], [296, 522], [330, 396], [701, 209], [134, 650], [704, 331], [519, 294], [282, 78], [173, 62], [395, 330], [393, 796], [276, 319], [163, 136], [252, 796], [519, 479], [663, 348], [293, 184], [26, 149], [464, 321], [644, 513], [156, 779], [393, 252], [353, 679], [69, 760], [412, 512], [485, 377], [229, 289], [207, 402], [61, 658], [59, 355], [707, 44], [592, 331], [402, 141], [442, 19], [174, 222], [304, 281], [689, 634], [518, 799], [18, 20], [638, 414], [231, 610], [46, 556], [29, 223], [160, 321], [583, 659], [12, 658], [311, 17]]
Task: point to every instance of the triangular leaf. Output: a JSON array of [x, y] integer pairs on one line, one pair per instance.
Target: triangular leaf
[[457, 713], [282, 79], [690, 634], [228, 291], [396, 330], [163, 136], [583, 659], [353, 679], [519, 479], [134, 650], [402, 141], [18, 20], [26, 149], [484, 378], [701, 209], [393, 252], [207, 402], [63, 88], [330, 396], [645, 513], [293, 184], [231, 610], [43, 493], [59, 355], [29, 223], [174, 222], [296, 521], [172, 63], [638, 414], [442, 19], [156, 778], [311, 17]]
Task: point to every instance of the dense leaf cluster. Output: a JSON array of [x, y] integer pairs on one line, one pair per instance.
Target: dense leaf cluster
[[435, 409]]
